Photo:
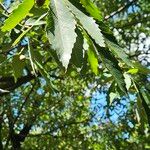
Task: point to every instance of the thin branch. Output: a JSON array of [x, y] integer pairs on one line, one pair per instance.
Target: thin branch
[[8, 50], [4, 8], [23, 104], [120, 10], [1, 121], [8, 83], [10, 123], [17, 139], [133, 22]]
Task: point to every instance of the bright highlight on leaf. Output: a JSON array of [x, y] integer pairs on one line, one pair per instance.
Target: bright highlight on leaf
[[92, 59], [112, 96], [88, 24], [127, 81], [133, 71], [17, 15], [64, 35], [65, 82]]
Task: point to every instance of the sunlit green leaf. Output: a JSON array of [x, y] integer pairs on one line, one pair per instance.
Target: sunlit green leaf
[[88, 24], [133, 71], [127, 81], [91, 53], [64, 36], [17, 15], [92, 9]]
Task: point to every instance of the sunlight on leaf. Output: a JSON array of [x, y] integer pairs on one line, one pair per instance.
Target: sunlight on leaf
[[17, 15]]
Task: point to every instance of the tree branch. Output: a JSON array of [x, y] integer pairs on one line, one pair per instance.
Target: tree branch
[[1, 120], [120, 10], [18, 138], [20, 110], [133, 22], [8, 83]]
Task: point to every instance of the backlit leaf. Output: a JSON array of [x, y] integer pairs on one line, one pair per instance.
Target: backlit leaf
[[92, 9], [88, 24], [64, 36], [17, 15], [92, 57]]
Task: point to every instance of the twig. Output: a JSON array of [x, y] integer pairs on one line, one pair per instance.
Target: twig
[[127, 5], [19, 112]]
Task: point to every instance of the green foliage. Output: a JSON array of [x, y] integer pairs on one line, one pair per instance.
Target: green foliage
[[92, 59], [92, 9], [55, 56], [18, 65], [88, 24], [64, 36], [40, 2], [119, 52], [17, 15]]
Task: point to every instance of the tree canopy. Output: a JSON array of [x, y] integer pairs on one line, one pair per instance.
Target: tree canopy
[[74, 74]]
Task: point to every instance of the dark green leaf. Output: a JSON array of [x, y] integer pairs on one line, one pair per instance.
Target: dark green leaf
[[18, 65], [77, 52], [111, 64]]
